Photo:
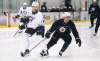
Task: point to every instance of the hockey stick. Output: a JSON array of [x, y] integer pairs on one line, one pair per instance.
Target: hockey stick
[[15, 33], [38, 44], [24, 54], [18, 31]]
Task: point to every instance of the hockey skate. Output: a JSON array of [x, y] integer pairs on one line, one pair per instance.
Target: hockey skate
[[44, 53], [94, 34], [91, 26], [20, 31], [60, 53], [26, 53]]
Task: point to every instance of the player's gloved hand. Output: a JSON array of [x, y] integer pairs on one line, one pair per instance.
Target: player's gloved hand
[[78, 41], [21, 27], [17, 16], [47, 35]]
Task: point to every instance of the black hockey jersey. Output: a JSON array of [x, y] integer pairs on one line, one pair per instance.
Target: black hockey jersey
[[93, 9], [61, 28]]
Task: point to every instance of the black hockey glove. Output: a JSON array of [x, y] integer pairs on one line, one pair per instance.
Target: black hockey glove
[[17, 16], [47, 35], [78, 41], [21, 27]]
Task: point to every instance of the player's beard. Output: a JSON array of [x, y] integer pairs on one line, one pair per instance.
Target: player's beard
[[66, 20], [35, 12]]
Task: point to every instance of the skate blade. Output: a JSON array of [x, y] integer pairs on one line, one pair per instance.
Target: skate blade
[[43, 55], [24, 55]]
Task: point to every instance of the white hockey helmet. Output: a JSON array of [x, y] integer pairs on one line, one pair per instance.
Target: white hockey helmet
[[24, 3], [35, 3], [94, 0], [66, 14]]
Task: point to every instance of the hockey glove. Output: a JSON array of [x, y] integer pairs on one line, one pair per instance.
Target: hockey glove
[[21, 27], [17, 16], [78, 41], [47, 35]]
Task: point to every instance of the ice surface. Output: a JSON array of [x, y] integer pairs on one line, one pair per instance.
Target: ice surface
[[90, 50]]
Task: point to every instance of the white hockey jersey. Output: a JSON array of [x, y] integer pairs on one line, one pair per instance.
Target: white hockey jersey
[[37, 20], [23, 12]]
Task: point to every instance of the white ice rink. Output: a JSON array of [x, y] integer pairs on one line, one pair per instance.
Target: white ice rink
[[90, 50]]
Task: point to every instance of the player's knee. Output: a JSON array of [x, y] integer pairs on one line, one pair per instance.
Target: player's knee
[[67, 42], [54, 40], [30, 31], [51, 43]]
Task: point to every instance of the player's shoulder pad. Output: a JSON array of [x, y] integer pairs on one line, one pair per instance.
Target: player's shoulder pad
[[29, 9], [71, 22], [40, 13], [59, 21]]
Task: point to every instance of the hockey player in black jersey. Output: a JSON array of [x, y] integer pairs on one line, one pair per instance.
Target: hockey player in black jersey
[[97, 22], [93, 11], [62, 29]]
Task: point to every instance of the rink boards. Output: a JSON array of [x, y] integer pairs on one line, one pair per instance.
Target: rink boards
[[50, 17]]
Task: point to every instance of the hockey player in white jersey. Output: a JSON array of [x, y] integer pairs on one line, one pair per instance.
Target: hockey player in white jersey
[[22, 16], [35, 25]]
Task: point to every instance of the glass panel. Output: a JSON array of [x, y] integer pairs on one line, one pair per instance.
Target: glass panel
[[1, 5]]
